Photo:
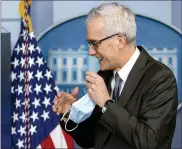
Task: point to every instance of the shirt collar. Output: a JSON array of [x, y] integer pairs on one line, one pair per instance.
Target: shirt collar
[[125, 70]]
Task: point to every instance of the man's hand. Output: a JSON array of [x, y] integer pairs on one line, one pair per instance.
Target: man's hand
[[97, 89], [63, 101]]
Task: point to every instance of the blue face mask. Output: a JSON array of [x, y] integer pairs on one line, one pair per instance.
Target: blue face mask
[[81, 110]]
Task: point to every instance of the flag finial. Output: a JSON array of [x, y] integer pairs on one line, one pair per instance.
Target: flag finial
[[22, 12]]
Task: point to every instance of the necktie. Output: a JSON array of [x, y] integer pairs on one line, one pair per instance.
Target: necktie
[[117, 87]]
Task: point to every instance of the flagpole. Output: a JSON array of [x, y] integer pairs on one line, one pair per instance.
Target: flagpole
[[24, 7]]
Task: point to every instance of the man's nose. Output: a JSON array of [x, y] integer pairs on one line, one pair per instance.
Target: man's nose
[[91, 51]]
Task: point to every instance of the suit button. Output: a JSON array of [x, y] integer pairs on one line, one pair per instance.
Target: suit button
[[108, 127]]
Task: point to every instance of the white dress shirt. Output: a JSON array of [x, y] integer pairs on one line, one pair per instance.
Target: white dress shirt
[[125, 70]]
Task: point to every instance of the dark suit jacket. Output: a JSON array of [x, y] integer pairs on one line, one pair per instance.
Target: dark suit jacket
[[143, 118]]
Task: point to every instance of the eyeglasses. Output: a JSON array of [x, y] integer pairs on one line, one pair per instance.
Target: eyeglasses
[[95, 44]]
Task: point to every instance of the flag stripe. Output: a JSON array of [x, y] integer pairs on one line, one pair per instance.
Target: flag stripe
[[47, 143], [58, 138], [39, 147], [69, 140]]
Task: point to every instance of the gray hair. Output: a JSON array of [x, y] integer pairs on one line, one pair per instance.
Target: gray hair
[[117, 19]]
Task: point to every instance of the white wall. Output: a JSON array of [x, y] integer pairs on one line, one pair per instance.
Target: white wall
[[10, 9], [160, 10]]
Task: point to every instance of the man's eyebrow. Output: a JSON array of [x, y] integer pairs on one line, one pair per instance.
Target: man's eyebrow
[[92, 40]]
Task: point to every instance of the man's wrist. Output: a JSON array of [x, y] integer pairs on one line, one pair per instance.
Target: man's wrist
[[102, 105]]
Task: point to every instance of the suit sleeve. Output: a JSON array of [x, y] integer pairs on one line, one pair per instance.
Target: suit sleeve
[[85, 132], [157, 117]]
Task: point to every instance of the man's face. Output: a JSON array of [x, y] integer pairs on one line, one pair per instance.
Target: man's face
[[107, 50]]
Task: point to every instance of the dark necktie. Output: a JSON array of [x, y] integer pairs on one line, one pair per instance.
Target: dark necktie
[[117, 87]]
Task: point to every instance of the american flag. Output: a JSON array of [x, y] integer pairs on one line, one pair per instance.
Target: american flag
[[33, 89]]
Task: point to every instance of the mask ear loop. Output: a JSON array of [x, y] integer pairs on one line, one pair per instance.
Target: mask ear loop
[[69, 130], [66, 121], [65, 113]]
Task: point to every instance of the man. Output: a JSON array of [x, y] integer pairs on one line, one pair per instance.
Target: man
[[135, 95]]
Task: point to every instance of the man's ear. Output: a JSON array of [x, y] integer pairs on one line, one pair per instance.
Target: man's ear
[[122, 41]]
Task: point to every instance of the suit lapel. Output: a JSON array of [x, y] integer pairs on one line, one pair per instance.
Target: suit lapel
[[134, 77]]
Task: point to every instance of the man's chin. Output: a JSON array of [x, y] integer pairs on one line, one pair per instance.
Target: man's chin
[[102, 68]]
